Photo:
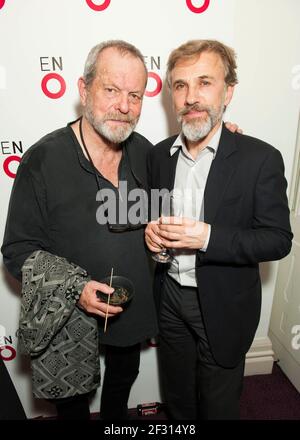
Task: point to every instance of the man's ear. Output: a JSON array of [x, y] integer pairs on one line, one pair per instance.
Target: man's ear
[[82, 90], [228, 95]]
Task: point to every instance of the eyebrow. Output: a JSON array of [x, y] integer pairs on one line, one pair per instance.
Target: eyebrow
[[206, 77], [112, 84], [199, 77]]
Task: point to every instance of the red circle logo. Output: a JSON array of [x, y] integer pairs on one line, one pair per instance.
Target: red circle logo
[[2, 3], [6, 356], [61, 81], [7, 163], [158, 87], [200, 9], [101, 7]]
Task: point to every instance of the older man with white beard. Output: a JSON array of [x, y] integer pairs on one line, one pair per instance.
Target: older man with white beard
[[53, 208], [209, 294]]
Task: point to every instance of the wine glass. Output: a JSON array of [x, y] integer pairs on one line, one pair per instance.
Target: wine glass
[[172, 205]]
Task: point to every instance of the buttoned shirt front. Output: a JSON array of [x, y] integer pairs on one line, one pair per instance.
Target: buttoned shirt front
[[190, 180]]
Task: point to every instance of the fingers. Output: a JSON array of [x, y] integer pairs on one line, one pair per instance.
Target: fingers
[[153, 247], [90, 302], [170, 244], [233, 127], [103, 308], [190, 235], [171, 228], [101, 286], [152, 237], [174, 232], [170, 235]]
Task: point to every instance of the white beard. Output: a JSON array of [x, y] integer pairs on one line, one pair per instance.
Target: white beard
[[114, 135], [197, 129]]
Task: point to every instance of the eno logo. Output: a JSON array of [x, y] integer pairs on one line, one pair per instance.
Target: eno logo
[[103, 5], [7, 353], [158, 85], [53, 77], [198, 9], [11, 171]]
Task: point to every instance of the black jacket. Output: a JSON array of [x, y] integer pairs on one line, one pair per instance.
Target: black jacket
[[245, 202]]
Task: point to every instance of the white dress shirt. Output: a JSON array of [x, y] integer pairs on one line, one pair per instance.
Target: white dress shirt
[[190, 180]]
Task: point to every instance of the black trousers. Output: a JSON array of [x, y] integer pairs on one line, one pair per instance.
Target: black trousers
[[194, 385], [121, 369], [72, 408]]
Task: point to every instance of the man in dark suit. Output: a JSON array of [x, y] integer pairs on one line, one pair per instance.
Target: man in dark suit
[[234, 189]]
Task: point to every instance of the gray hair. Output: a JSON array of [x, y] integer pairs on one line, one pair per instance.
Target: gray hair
[[122, 46]]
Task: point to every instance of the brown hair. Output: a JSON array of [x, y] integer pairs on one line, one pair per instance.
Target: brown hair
[[195, 47]]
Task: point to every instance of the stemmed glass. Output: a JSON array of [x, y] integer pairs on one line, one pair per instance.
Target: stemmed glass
[[172, 206]]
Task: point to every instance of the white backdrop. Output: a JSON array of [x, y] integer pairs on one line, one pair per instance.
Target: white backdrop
[[43, 41]]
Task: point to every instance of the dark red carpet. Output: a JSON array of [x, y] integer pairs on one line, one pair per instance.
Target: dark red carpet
[[270, 397], [264, 397]]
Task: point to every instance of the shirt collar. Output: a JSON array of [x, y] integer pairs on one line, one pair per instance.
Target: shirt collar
[[213, 143]]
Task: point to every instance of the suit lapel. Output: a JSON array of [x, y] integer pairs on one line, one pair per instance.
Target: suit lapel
[[220, 174], [168, 170]]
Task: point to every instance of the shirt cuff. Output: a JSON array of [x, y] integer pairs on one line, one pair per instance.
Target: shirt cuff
[[204, 248]]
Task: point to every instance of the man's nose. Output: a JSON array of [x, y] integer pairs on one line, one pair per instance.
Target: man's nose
[[192, 95], [123, 103]]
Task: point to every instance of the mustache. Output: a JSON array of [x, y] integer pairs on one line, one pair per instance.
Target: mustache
[[118, 117], [194, 107]]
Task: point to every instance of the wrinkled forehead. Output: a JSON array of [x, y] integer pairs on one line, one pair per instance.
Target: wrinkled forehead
[[206, 64], [113, 64]]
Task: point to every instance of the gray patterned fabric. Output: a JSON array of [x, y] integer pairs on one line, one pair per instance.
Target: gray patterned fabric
[[61, 339]]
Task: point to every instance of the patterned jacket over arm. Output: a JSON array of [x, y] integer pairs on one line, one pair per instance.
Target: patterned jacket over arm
[[61, 339]]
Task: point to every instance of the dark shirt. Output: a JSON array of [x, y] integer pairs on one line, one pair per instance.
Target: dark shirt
[[53, 207]]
